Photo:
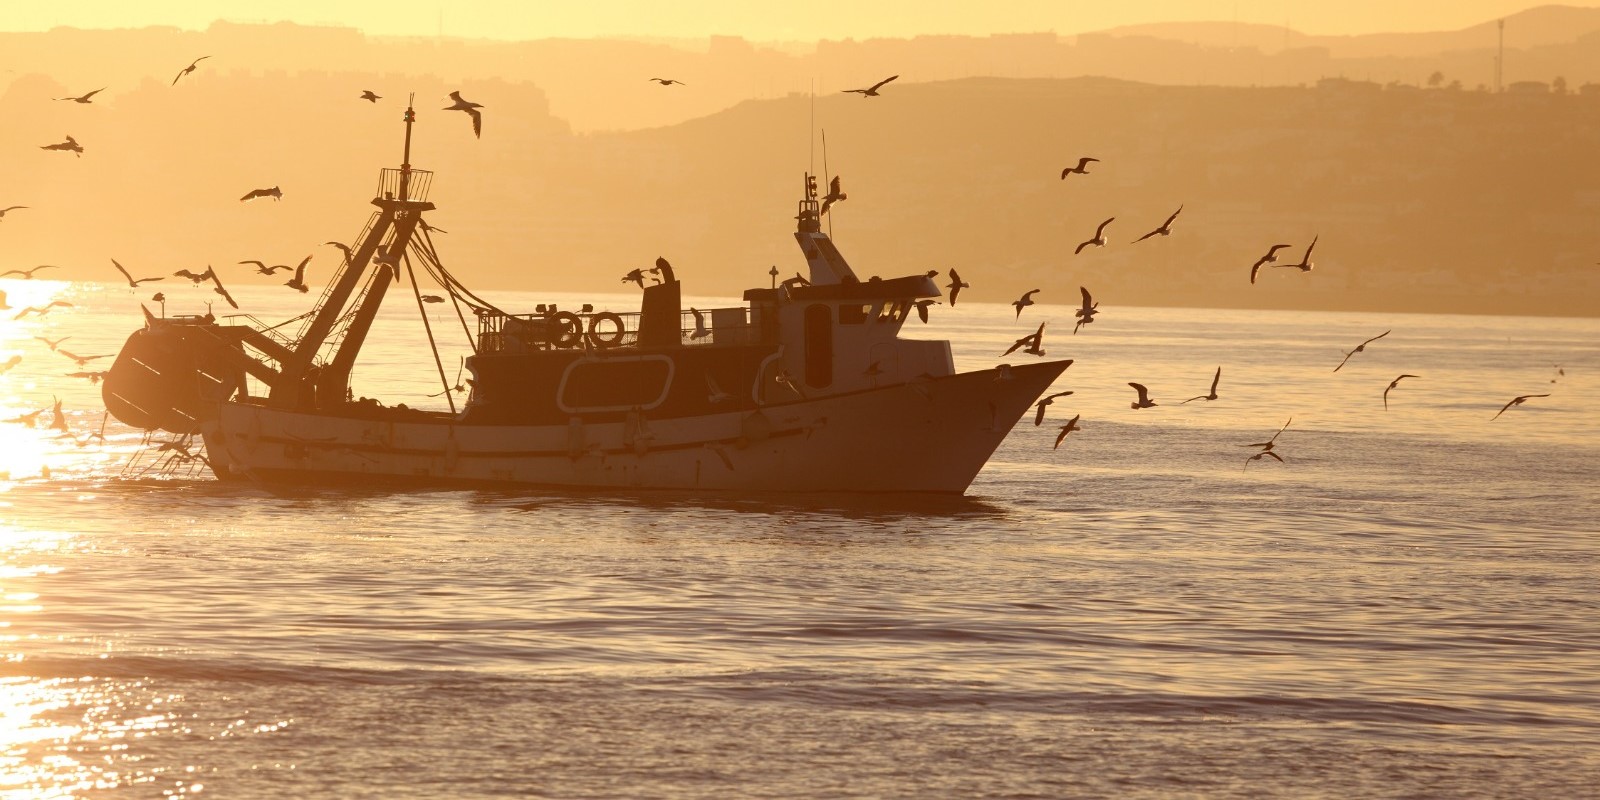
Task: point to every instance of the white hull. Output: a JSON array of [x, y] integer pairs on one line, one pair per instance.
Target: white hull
[[929, 436]]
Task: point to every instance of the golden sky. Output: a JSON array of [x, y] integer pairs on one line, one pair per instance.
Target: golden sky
[[814, 19]]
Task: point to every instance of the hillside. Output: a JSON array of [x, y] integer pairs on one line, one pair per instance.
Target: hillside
[[1423, 200]]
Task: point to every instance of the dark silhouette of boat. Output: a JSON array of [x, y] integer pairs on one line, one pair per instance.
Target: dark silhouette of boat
[[805, 387]]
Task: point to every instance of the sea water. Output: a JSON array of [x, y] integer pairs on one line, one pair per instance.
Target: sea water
[[1409, 605]]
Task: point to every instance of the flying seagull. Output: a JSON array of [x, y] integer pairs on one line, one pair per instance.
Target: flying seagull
[[1081, 169], [1034, 343], [1304, 264], [195, 278], [462, 104], [1085, 314], [1393, 384], [1267, 445], [82, 361], [298, 282], [1099, 239], [1515, 401], [274, 192], [955, 286], [70, 144], [1359, 348], [669, 81], [1164, 230], [188, 69], [52, 344], [432, 298], [1213, 394], [27, 274], [262, 268], [636, 275], [370, 97], [1271, 256], [83, 98], [9, 208], [217, 283], [871, 91], [133, 283], [343, 248], [922, 309], [1038, 416], [1144, 396], [663, 269], [1072, 425], [1021, 303], [42, 311]]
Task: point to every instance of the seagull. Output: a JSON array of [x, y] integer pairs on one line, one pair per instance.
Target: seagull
[[663, 269], [263, 269], [1072, 425], [83, 98], [94, 377], [1392, 384], [1081, 169], [783, 378], [188, 69], [1213, 394], [69, 144], [462, 104], [298, 282], [1025, 301], [1359, 348], [3, 216], [871, 91], [275, 193], [343, 248], [922, 309], [1034, 342], [368, 96], [1099, 239], [1144, 396], [430, 228], [458, 388], [1085, 314], [700, 329], [1271, 256], [1260, 455], [1515, 401], [133, 283], [217, 283], [1305, 264], [42, 311], [1038, 417], [196, 278], [432, 298], [834, 195], [1267, 445], [1164, 230], [8, 364], [635, 275], [27, 274], [52, 345], [58, 420], [82, 361], [955, 286], [30, 419], [669, 81]]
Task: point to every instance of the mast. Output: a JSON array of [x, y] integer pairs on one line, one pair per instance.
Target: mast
[[400, 200]]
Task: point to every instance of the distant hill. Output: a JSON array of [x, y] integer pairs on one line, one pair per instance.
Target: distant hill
[[1423, 200], [1540, 26]]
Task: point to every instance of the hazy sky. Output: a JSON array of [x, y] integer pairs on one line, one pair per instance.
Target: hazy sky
[[814, 19]]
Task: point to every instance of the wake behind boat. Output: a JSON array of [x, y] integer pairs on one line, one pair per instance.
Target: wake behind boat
[[806, 387]]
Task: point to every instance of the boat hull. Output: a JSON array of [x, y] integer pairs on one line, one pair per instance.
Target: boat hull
[[931, 435]]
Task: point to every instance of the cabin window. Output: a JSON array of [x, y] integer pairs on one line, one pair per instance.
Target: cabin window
[[819, 346]]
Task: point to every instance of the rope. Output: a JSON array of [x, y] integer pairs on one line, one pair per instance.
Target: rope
[[421, 309]]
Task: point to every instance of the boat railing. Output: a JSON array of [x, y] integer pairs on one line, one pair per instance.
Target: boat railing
[[604, 330], [417, 185]]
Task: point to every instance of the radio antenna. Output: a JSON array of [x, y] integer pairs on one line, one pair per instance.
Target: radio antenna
[[825, 173]]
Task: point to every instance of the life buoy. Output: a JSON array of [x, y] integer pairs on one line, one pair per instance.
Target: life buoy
[[610, 338], [568, 329]]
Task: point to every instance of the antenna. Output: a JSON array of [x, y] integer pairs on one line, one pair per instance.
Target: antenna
[[811, 132], [405, 160], [825, 173]]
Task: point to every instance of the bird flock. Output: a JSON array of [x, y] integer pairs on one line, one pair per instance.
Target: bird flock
[[1030, 344]]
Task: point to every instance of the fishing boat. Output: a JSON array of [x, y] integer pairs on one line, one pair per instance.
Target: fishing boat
[[806, 387]]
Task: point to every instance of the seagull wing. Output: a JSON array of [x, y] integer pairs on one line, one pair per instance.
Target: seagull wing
[[1376, 338], [1171, 218], [1214, 379], [879, 84], [1038, 417], [1102, 229], [1144, 394], [1087, 301], [123, 271], [477, 122]]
